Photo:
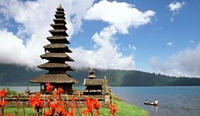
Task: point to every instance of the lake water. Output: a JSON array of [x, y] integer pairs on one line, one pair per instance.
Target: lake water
[[173, 101]]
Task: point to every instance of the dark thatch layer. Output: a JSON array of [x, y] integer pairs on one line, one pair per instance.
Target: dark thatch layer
[[56, 66], [59, 32], [58, 46], [60, 16], [59, 26], [93, 82], [60, 39], [56, 56], [59, 20], [60, 12], [54, 78], [60, 8]]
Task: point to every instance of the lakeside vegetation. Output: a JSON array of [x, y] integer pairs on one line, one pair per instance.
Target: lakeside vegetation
[[123, 109], [19, 75]]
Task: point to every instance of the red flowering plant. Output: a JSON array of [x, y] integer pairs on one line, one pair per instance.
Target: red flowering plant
[[2, 103], [3, 93], [113, 109], [91, 104], [96, 106], [59, 107], [49, 87], [36, 102]]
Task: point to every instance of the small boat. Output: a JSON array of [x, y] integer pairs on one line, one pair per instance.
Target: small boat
[[150, 103]]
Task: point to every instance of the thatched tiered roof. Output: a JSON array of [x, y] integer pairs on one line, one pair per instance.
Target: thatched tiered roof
[[56, 53], [91, 74], [91, 80], [54, 78]]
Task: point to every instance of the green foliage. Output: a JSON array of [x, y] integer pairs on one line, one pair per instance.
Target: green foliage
[[28, 111], [19, 75], [123, 109], [12, 92]]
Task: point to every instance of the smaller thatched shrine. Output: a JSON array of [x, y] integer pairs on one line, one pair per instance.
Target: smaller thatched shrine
[[92, 85]]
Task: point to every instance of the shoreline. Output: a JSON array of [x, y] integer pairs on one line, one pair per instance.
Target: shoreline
[[131, 109]]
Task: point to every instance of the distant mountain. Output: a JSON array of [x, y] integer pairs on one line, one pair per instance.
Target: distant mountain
[[11, 74]]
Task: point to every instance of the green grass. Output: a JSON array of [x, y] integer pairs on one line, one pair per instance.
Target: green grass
[[13, 111], [123, 109]]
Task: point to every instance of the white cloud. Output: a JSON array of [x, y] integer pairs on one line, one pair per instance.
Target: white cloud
[[175, 6], [131, 47], [119, 14], [170, 43], [35, 17], [183, 63], [191, 41]]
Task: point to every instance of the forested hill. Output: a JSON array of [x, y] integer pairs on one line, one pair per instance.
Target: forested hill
[[19, 75]]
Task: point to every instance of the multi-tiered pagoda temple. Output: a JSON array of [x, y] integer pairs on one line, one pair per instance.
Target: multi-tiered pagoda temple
[[55, 53]]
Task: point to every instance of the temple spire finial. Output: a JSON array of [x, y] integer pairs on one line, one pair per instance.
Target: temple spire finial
[[91, 74], [60, 6]]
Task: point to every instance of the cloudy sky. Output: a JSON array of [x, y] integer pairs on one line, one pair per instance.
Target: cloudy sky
[[161, 36]]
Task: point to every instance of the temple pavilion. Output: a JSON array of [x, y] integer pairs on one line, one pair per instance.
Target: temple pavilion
[[55, 53], [92, 85]]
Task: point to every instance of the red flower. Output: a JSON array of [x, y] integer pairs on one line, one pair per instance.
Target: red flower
[[73, 99], [48, 113], [3, 93], [60, 90], [96, 104], [32, 101], [9, 114], [113, 109], [35, 101], [2, 103], [49, 88], [88, 104], [55, 95], [84, 111]]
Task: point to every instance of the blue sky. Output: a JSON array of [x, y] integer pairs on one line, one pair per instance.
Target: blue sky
[[151, 39], [159, 44]]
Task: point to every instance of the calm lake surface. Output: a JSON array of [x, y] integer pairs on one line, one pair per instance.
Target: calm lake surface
[[173, 101]]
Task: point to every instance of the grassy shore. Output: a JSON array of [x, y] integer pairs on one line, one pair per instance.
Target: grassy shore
[[123, 109]]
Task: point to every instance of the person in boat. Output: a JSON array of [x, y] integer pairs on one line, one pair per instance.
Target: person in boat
[[151, 102], [145, 101], [156, 101]]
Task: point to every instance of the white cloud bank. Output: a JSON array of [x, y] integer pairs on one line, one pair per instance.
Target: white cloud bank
[[35, 17], [175, 6], [184, 63], [120, 16]]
